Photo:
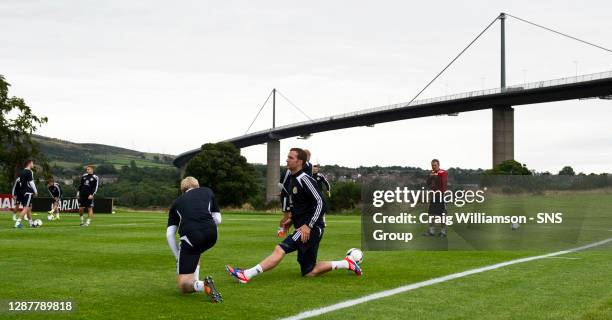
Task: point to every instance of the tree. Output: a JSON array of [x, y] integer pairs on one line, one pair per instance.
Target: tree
[[17, 123], [220, 167], [510, 167], [567, 171], [106, 168], [347, 195]]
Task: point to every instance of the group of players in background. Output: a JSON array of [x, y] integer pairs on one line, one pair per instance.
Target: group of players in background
[[24, 190]]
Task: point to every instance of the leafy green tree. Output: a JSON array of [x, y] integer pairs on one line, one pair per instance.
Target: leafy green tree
[[106, 168], [142, 187], [346, 195], [567, 171], [17, 124], [220, 167], [510, 167]]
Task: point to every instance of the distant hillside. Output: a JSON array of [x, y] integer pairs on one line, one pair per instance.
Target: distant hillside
[[66, 154]]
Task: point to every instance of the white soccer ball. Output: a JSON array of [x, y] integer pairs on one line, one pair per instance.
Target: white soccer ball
[[515, 226], [37, 223], [355, 254], [50, 217]]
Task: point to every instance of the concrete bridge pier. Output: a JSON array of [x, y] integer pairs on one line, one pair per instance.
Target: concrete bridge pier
[[272, 170], [503, 134]]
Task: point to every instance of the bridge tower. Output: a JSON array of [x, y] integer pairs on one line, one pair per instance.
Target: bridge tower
[[273, 159], [503, 116]]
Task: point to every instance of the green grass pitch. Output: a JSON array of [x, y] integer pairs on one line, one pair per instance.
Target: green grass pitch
[[121, 268]]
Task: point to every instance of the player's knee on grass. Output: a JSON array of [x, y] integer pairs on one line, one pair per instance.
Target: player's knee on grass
[[308, 261], [184, 282], [306, 267]]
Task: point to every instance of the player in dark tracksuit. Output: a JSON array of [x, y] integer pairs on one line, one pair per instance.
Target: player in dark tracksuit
[[308, 168], [14, 195], [307, 165], [26, 189], [322, 183], [284, 186], [195, 216], [56, 193], [438, 182], [307, 210], [87, 190], [285, 223]]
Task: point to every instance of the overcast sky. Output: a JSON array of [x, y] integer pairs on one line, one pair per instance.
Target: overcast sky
[[161, 76]]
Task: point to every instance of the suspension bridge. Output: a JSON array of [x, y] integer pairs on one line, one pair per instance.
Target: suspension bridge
[[501, 100]]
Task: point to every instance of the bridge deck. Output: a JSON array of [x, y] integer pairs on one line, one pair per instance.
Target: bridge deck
[[584, 86]]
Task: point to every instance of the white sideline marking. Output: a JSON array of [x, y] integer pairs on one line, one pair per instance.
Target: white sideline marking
[[568, 258], [409, 287]]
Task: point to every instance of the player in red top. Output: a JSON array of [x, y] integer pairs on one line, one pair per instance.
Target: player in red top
[[437, 181]]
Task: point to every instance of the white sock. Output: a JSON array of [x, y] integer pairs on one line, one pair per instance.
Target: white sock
[[342, 264], [31, 222], [81, 219], [88, 221], [18, 222], [196, 274], [198, 286], [250, 273]]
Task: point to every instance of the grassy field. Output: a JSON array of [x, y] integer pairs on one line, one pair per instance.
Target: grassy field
[[121, 268]]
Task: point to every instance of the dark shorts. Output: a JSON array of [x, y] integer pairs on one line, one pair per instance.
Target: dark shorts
[[25, 199], [307, 252], [86, 202], [193, 244], [437, 208]]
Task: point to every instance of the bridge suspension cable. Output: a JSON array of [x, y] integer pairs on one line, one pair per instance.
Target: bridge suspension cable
[[293, 104], [266, 102], [454, 59], [559, 33], [258, 112], [485, 29]]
